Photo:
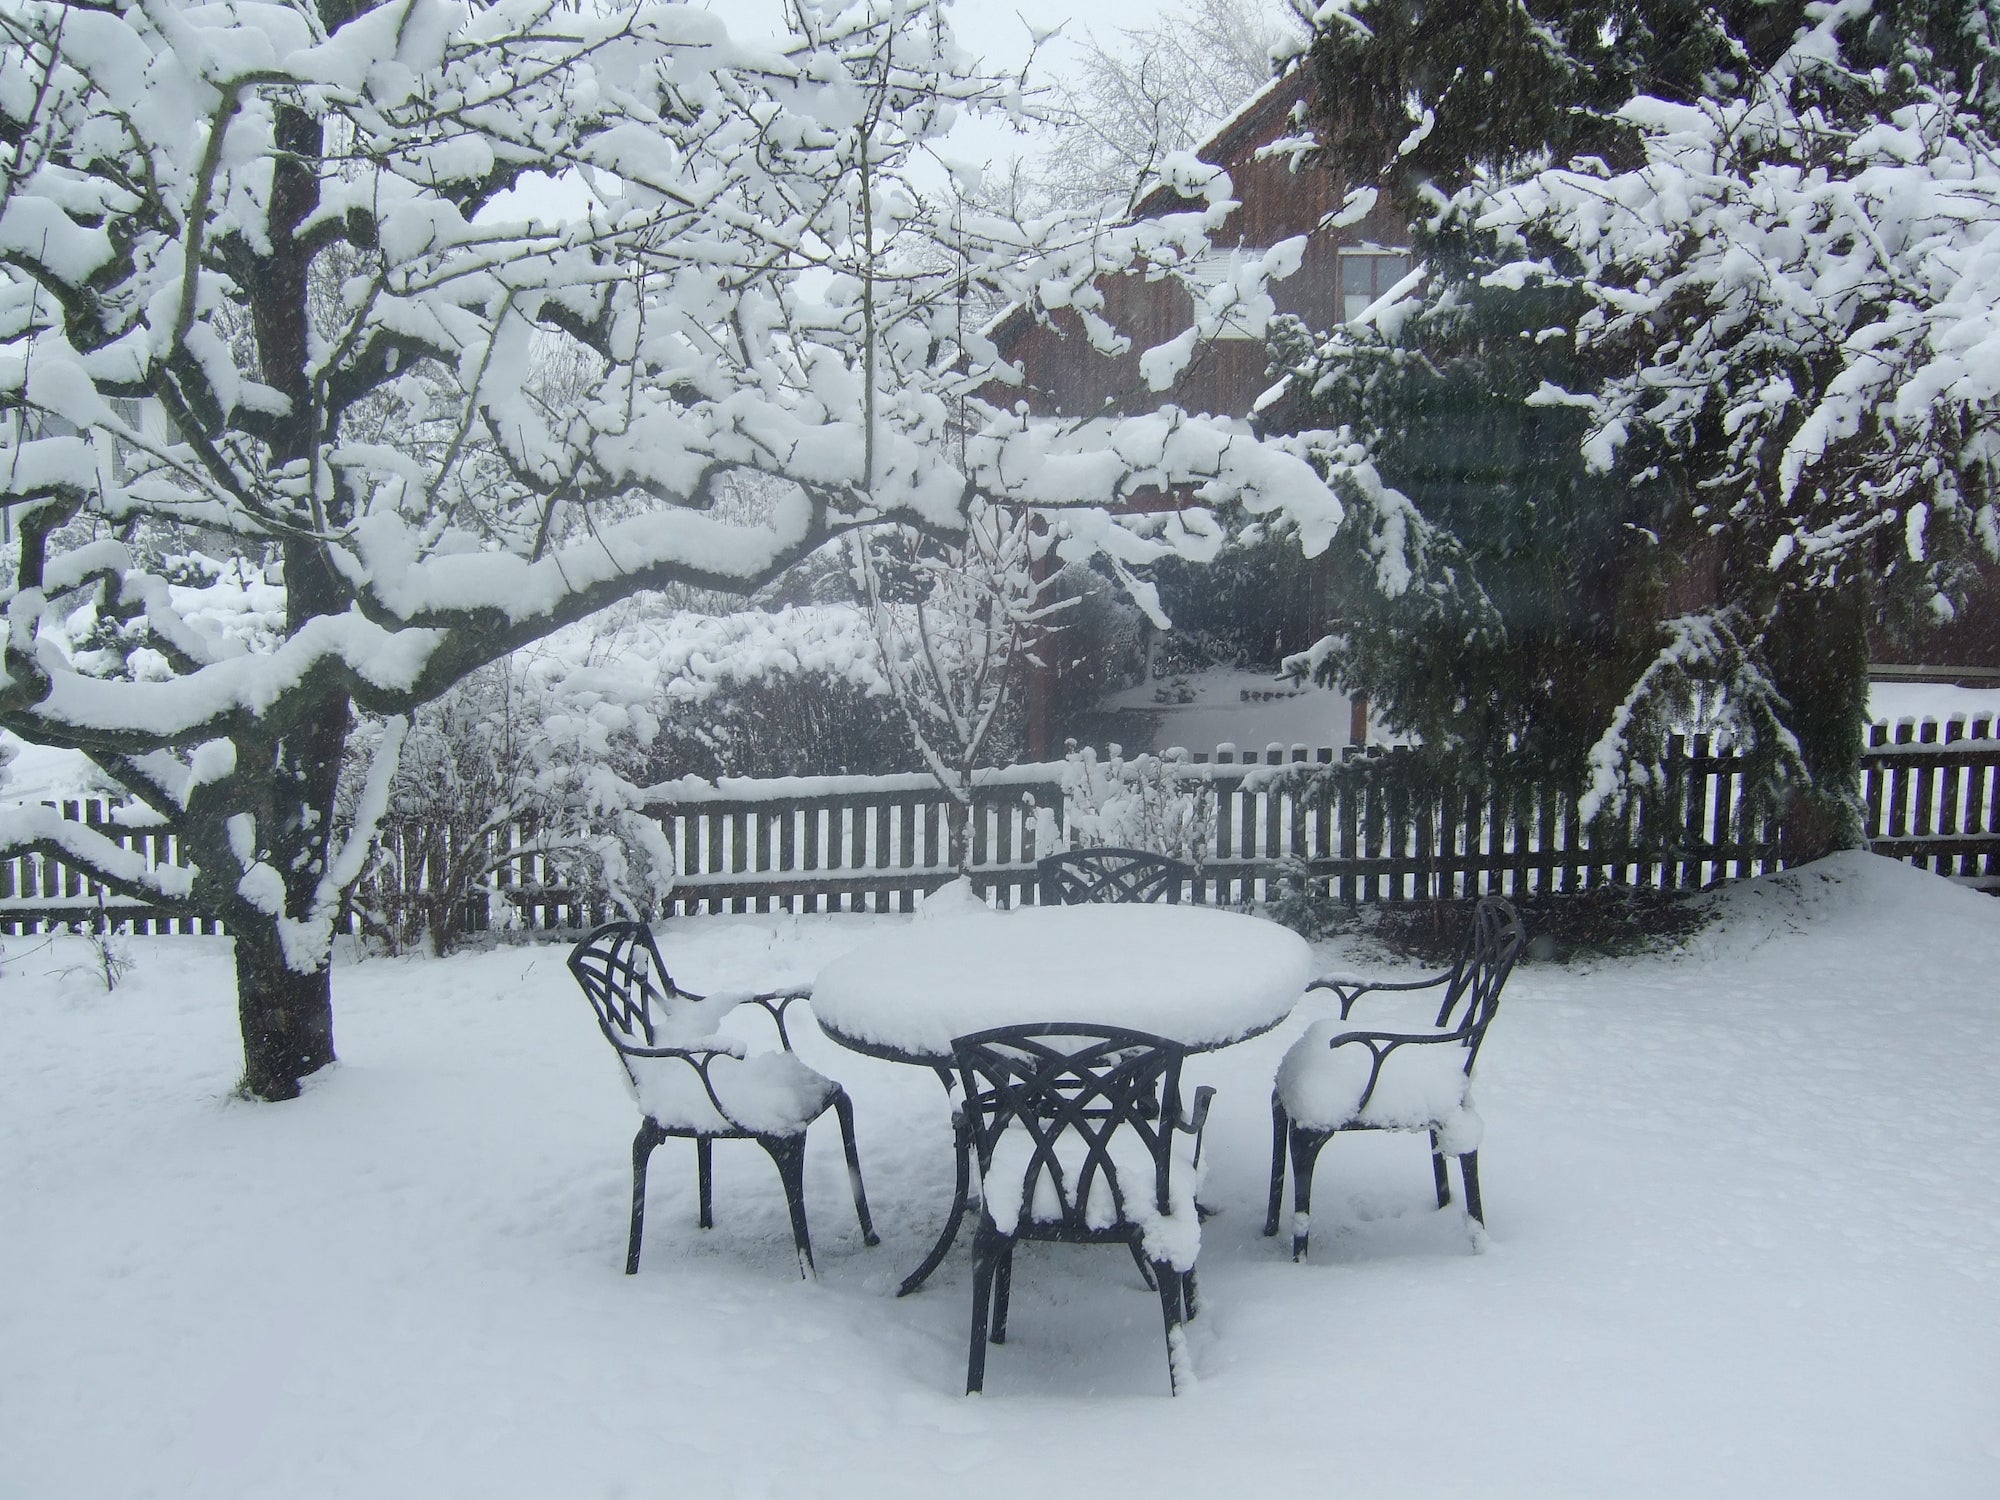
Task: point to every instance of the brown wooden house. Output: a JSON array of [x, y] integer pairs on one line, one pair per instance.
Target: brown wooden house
[[1343, 270]]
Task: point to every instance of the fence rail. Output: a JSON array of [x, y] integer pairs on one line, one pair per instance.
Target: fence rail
[[1373, 833]]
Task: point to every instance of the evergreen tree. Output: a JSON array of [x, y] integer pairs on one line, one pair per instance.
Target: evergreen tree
[[1651, 412]]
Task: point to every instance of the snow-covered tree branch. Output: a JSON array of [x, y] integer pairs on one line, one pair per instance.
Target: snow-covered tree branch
[[1700, 372], [280, 284]]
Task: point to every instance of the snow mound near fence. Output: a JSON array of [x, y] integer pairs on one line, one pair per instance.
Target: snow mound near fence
[[1845, 895]]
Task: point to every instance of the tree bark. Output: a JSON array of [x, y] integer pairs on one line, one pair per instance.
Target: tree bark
[[958, 834], [286, 1016], [1818, 651]]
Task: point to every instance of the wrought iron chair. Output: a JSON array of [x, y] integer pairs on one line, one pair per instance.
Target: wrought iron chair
[[1334, 1079], [1082, 876], [691, 1082], [1075, 1129]]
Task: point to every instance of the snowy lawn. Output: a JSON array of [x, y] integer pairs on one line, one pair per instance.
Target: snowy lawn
[[1742, 1213]]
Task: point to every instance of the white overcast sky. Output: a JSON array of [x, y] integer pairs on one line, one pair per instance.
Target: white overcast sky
[[999, 31]]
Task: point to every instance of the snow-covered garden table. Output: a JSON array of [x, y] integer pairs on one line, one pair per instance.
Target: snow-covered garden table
[[1194, 975]]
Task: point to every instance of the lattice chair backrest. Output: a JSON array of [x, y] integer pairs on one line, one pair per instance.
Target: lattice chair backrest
[[1082, 876], [1073, 1107], [1492, 943], [620, 971]]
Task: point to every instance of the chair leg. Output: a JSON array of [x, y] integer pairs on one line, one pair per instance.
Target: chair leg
[[704, 1172], [1003, 1289], [643, 1143], [986, 1250], [961, 1194], [1189, 1306], [789, 1152], [1169, 1283], [1468, 1170], [1280, 1124], [843, 1109], [1437, 1172], [1305, 1146], [1145, 1267]]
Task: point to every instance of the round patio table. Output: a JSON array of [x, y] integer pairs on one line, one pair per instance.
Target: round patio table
[[1191, 974]]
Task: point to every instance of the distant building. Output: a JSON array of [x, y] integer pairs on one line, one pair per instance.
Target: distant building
[[1343, 270]]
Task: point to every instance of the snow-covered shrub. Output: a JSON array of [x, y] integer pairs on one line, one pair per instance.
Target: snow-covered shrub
[[1100, 645], [814, 723], [509, 766], [552, 753], [955, 627], [1303, 902], [1159, 803]]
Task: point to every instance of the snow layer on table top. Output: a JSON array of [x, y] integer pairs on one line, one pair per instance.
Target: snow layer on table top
[[1189, 973], [1740, 1243]]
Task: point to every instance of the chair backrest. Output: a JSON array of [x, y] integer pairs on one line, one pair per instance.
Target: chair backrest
[[627, 986], [1069, 1090], [1083, 876], [1492, 943]]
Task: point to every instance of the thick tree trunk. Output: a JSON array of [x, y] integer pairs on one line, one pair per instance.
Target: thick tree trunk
[[286, 1016], [1818, 651], [958, 835]]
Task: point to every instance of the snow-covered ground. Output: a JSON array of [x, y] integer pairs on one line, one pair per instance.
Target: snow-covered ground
[[1229, 706], [1253, 710], [1890, 701], [1742, 1241]]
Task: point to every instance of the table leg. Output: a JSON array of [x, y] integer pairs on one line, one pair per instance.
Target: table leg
[[960, 1196]]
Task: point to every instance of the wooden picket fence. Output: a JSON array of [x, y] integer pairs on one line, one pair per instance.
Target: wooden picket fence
[[1932, 796], [1369, 827]]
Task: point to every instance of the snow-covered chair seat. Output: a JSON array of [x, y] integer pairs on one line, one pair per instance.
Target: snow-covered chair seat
[[690, 1081], [1084, 876], [1335, 1078], [1080, 1136]]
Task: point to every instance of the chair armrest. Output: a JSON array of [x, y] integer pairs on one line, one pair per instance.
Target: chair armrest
[[1198, 1120], [1380, 1045], [726, 1046], [774, 1004], [1203, 1097], [698, 1058], [1351, 989], [1394, 1039]]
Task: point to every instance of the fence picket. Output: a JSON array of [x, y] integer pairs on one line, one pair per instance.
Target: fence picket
[[1931, 796]]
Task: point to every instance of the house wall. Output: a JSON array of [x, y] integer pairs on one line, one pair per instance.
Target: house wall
[[1064, 375]]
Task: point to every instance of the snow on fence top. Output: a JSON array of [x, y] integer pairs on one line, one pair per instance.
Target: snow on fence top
[[1932, 797]]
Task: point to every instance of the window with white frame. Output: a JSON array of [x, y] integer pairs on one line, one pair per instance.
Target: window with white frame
[[1366, 274]]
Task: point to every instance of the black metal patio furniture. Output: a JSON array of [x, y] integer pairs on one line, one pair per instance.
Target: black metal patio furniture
[[1076, 1129], [1081, 876], [1201, 977], [1334, 1080], [691, 1082]]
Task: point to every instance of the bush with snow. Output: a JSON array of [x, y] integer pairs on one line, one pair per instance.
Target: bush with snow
[[1160, 803]]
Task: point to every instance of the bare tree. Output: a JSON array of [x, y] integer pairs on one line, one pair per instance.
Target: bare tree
[[284, 229], [1150, 90], [954, 628]]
